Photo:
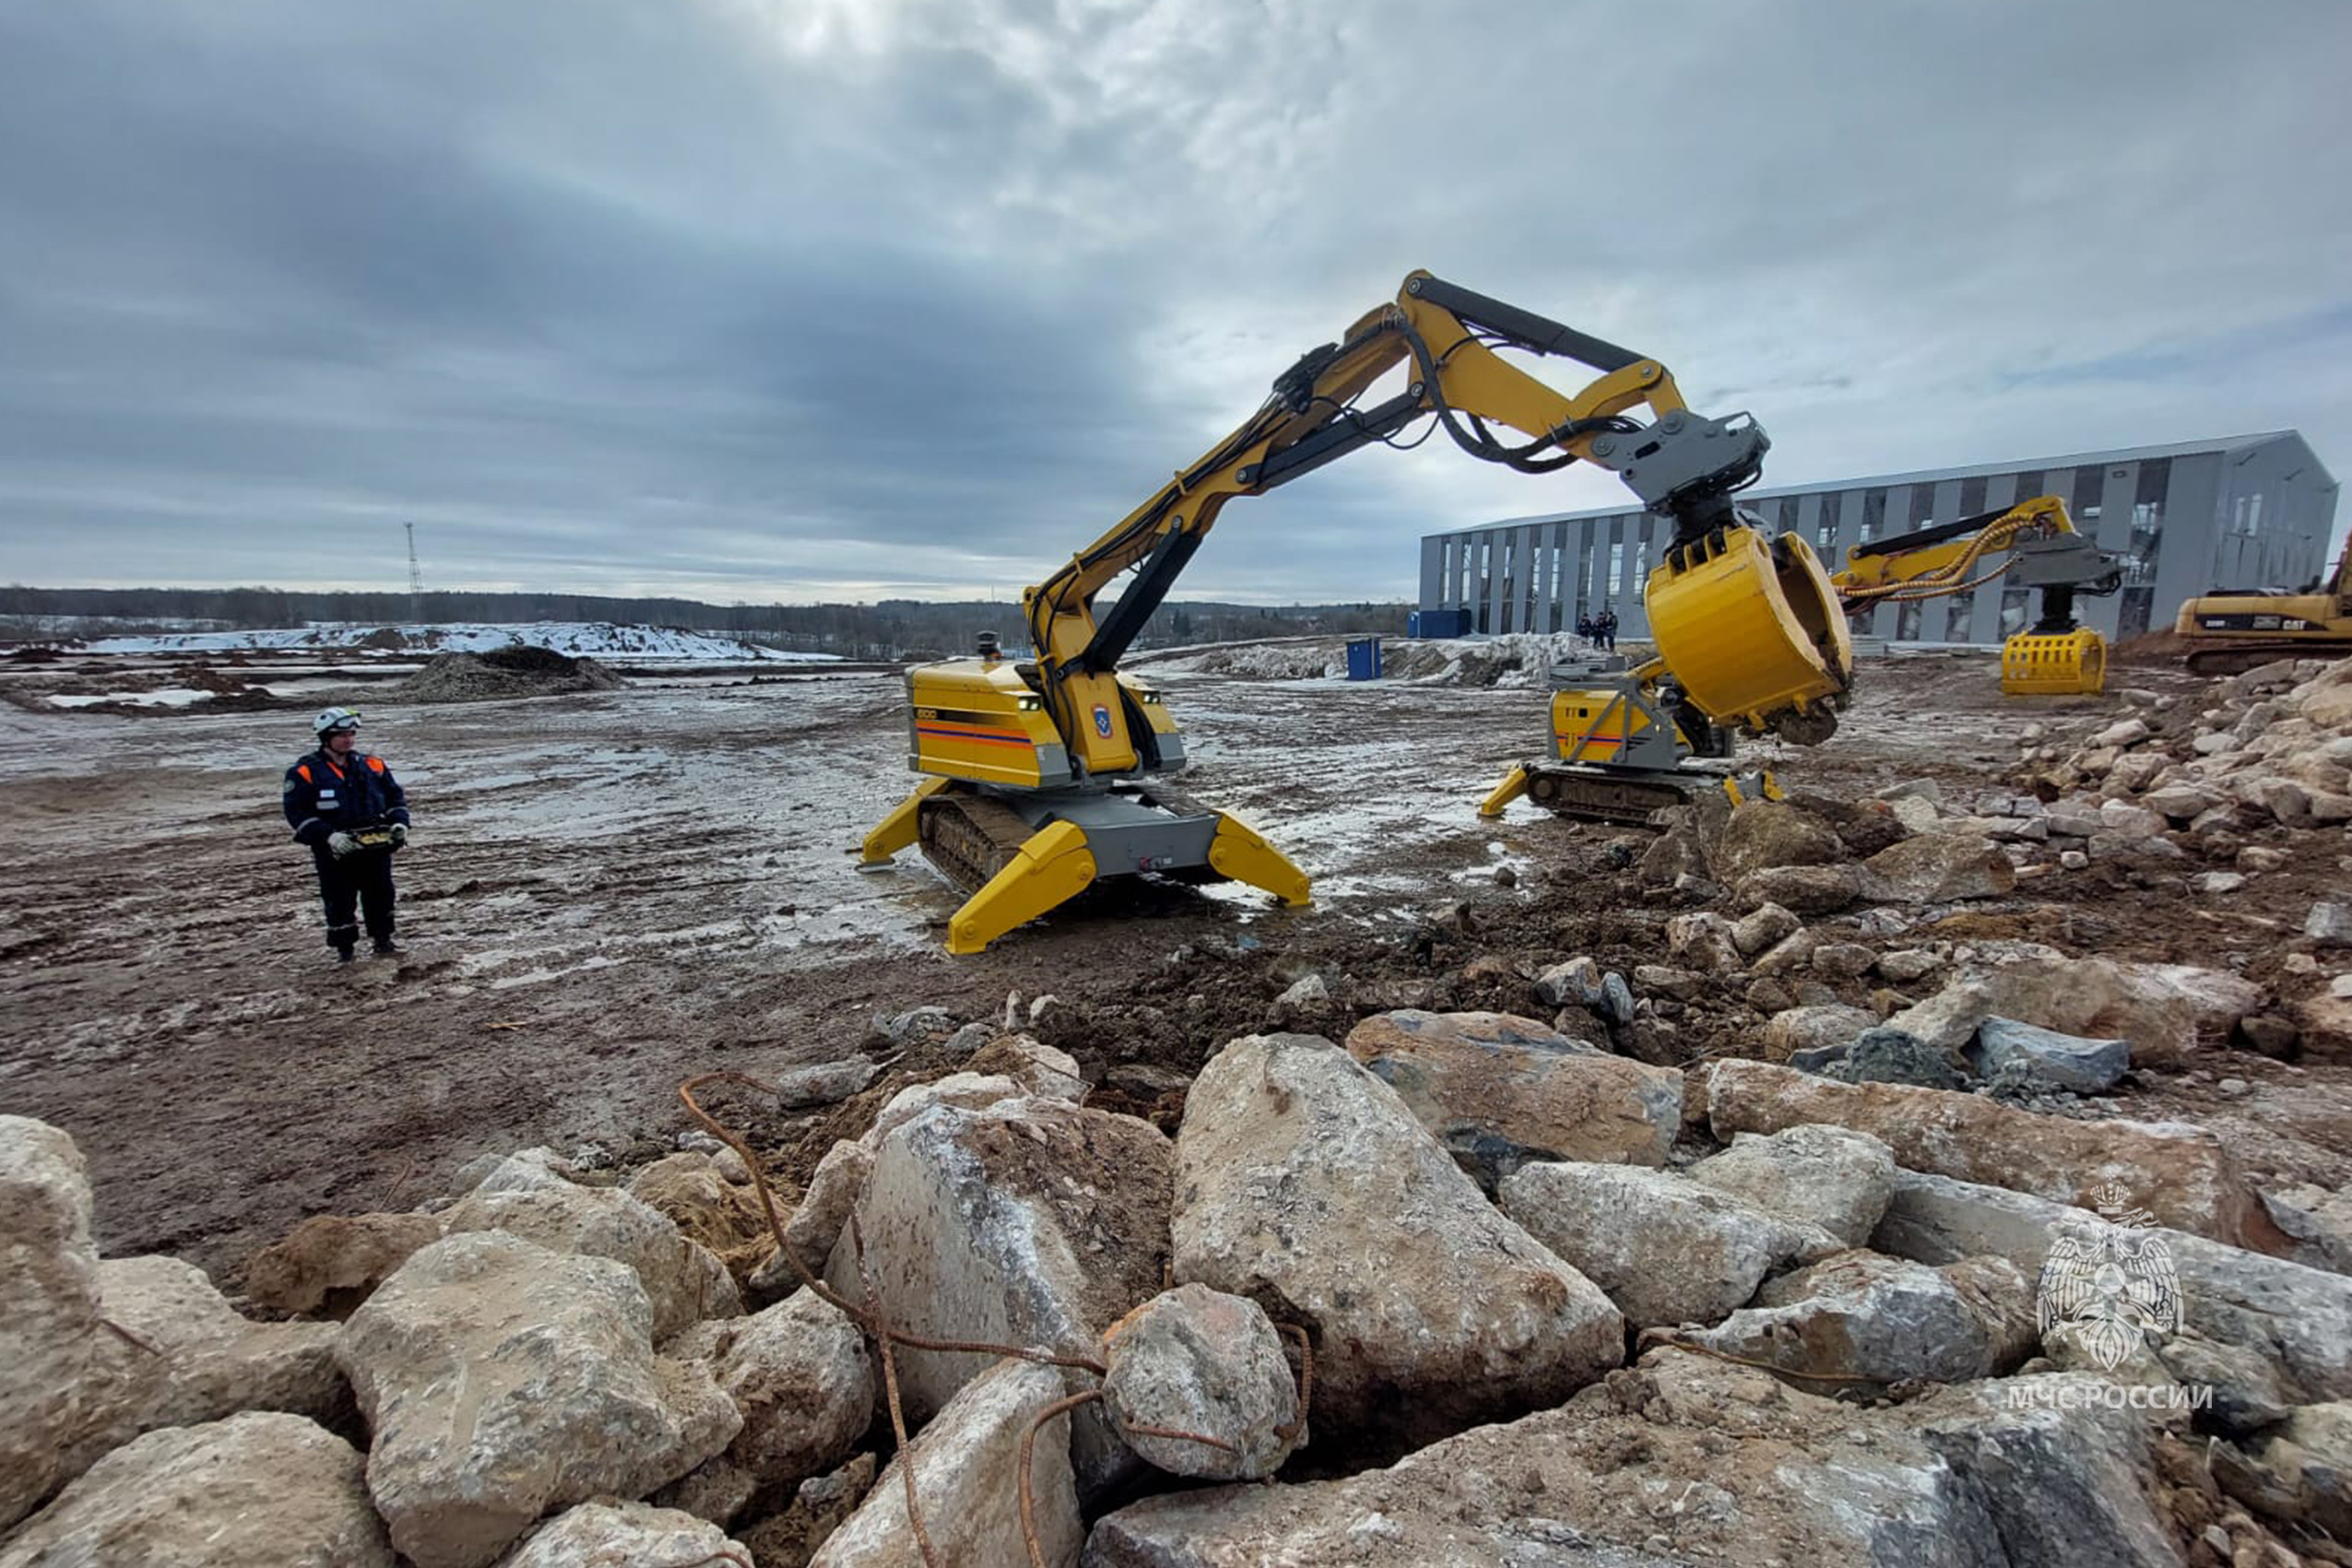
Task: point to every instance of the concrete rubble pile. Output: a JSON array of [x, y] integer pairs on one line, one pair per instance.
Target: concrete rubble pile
[[2222, 791], [1561, 1304]]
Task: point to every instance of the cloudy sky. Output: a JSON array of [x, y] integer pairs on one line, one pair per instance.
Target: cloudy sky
[[848, 299]]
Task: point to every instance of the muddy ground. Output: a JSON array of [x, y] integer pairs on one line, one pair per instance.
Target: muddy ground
[[609, 892]]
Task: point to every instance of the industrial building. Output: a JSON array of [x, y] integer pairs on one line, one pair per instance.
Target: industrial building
[[2253, 510]]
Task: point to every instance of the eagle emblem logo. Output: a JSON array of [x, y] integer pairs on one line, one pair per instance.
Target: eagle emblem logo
[[2109, 1281]]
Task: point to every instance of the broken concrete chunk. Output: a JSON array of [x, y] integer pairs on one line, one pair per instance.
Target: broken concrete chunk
[[1937, 868], [1862, 1316], [329, 1261], [1665, 1249], [826, 1083], [1762, 927], [816, 1223], [2309, 1460], [211, 1360], [2298, 1318], [501, 1379], [1194, 1359], [684, 1281], [1038, 1068], [968, 1090], [1498, 1091], [1771, 834], [1739, 1467], [258, 1490], [1886, 1054], [1027, 1221], [50, 1347], [1805, 889], [608, 1535], [1304, 1183], [1830, 1178], [2183, 1175], [801, 1378], [1814, 1029], [2045, 1060], [967, 1462]]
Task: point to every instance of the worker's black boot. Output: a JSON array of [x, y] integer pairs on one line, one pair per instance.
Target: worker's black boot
[[343, 951], [385, 947]]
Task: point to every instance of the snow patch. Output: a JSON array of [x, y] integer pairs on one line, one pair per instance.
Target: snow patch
[[601, 639], [170, 696]]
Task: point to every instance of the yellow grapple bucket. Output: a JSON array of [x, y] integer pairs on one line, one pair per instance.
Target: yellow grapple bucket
[[1752, 630], [2068, 664]]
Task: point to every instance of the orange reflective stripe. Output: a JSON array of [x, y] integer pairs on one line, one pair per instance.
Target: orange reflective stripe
[[303, 769], [375, 764]]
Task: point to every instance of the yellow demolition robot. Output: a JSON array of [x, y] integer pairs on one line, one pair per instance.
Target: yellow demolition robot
[[1047, 774], [2036, 545]]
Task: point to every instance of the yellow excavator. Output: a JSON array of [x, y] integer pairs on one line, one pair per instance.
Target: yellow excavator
[[2035, 545], [1628, 743], [2230, 630], [1044, 775]]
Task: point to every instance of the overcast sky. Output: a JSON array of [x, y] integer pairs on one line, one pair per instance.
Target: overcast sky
[[849, 299]]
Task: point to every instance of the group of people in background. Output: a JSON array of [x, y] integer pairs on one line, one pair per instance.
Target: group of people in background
[[1600, 631]]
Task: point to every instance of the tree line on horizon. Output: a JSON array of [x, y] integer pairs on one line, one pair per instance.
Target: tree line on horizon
[[884, 630]]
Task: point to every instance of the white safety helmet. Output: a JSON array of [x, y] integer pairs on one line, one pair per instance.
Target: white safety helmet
[[330, 720]]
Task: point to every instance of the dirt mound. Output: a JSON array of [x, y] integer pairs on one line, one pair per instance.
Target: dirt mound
[[521, 671], [2150, 648], [1515, 659]]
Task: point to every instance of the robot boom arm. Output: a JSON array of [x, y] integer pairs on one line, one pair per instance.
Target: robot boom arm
[[1681, 465]]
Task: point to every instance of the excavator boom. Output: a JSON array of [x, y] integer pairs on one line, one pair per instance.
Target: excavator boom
[[2034, 544]]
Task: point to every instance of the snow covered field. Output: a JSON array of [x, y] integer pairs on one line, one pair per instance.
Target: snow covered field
[[601, 639]]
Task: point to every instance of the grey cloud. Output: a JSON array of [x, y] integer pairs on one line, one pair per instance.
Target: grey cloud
[[626, 294]]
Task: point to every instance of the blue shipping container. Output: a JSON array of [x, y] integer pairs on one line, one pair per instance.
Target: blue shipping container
[[1363, 658], [1437, 623]]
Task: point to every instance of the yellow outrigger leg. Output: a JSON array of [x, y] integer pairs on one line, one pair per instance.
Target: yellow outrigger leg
[[897, 831], [1239, 853], [1514, 784], [1766, 789], [2066, 664], [1052, 868]]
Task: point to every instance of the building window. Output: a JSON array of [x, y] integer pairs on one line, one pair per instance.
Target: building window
[[1873, 514], [1826, 533], [2132, 616], [1971, 496], [2029, 484], [1922, 505], [2090, 484], [2147, 520]]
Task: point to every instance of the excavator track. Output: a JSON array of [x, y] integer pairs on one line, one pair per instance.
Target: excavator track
[[970, 837], [1592, 797], [2237, 658]]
